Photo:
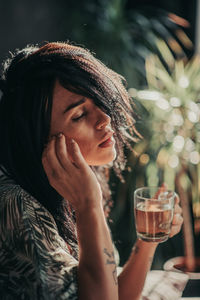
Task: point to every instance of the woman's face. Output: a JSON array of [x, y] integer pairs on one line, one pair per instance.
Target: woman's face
[[78, 118]]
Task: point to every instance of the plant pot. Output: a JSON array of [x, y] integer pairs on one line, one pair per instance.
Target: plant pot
[[177, 264]]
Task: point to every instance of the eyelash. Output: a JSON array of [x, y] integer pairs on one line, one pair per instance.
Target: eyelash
[[80, 117]]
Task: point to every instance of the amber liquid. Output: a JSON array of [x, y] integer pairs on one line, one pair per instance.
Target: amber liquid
[[153, 222]]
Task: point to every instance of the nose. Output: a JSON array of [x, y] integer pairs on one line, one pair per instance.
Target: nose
[[103, 119]]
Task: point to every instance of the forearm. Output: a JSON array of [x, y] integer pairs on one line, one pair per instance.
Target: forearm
[[132, 278], [97, 278]]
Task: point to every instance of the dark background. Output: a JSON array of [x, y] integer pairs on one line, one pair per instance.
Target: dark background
[[24, 22]]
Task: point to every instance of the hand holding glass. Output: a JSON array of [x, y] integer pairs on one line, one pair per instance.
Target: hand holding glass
[[154, 209]]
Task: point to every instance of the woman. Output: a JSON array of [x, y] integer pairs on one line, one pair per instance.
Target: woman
[[64, 119]]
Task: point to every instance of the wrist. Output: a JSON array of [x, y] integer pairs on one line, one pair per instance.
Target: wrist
[[147, 245], [89, 212], [87, 206]]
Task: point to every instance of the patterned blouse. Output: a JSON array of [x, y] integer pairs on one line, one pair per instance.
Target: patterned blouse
[[35, 262]]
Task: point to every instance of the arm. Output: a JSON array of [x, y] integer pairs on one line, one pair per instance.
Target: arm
[[97, 274], [132, 278], [75, 181]]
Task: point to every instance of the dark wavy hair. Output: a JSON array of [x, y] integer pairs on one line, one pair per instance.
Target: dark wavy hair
[[27, 84]]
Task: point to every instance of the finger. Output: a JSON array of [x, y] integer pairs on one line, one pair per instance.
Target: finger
[[161, 189], [62, 152], [164, 186], [177, 219], [177, 209], [77, 155], [177, 199], [50, 160], [47, 147], [175, 229]]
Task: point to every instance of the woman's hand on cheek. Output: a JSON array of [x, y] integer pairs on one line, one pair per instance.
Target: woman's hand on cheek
[[69, 174], [177, 219]]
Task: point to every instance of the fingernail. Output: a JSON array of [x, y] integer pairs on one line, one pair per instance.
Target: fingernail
[[164, 185], [73, 142], [60, 135]]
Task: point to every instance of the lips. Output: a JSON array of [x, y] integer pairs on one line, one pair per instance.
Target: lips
[[107, 140]]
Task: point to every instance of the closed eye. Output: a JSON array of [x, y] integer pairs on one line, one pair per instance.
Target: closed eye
[[76, 119]]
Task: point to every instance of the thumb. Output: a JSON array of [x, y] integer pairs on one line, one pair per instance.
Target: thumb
[[164, 186], [161, 189]]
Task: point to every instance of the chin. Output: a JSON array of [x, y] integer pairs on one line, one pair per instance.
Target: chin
[[104, 160]]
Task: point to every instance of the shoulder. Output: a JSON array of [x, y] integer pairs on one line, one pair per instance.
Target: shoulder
[[21, 212], [11, 206], [23, 219], [13, 195], [8, 191], [32, 248]]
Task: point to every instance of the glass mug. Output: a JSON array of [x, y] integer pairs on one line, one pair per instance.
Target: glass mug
[[153, 210]]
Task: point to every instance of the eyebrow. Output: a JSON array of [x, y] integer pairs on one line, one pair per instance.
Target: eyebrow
[[75, 104]]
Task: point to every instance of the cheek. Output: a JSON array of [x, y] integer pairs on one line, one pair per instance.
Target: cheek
[[77, 134], [84, 138], [86, 147]]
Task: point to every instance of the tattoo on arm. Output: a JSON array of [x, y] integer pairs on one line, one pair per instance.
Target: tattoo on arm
[[135, 249], [111, 261]]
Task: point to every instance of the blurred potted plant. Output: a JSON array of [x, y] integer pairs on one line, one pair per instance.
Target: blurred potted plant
[[172, 100]]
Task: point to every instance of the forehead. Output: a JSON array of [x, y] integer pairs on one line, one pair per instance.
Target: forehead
[[62, 96]]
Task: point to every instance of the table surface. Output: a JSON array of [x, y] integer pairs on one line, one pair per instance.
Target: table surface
[[192, 298]]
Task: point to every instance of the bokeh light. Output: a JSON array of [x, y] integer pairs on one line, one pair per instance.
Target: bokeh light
[[183, 82], [194, 157], [178, 143], [173, 161], [175, 102]]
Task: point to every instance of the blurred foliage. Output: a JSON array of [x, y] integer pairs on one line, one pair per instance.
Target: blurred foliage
[[170, 114], [173, 104], [124, 38]]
